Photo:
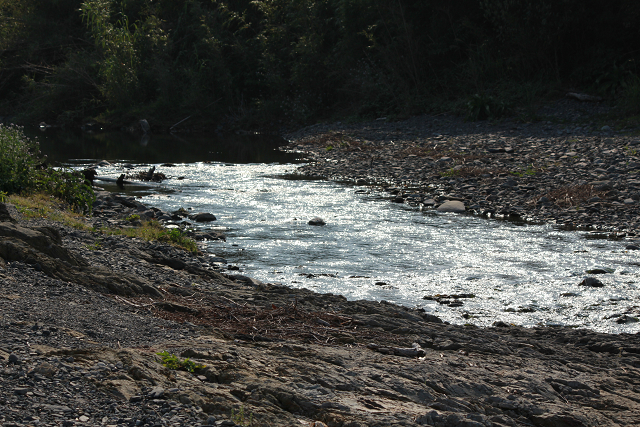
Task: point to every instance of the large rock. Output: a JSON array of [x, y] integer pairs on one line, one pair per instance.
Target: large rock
[[42, 248], [203, 217], [452, 206], [316, 221], [592, 282], [8, 212]]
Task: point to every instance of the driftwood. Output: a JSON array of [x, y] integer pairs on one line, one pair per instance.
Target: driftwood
[[415, 351], [584, 97], [245, 321]]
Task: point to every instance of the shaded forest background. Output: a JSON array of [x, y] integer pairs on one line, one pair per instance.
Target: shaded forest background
[[267, 63]]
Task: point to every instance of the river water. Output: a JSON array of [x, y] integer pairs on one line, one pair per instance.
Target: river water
[[371, 248]]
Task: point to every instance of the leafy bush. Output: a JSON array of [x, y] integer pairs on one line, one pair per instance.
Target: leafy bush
[[482, 107], [22, 170], [68, 186], [172, 361], [18, 160], [178, 238]]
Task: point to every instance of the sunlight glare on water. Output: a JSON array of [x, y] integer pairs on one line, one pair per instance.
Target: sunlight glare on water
[[377, 250]]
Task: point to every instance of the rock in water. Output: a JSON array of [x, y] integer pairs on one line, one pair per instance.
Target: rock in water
[[316, 220], [203, 217], [451, 206], [592, 282]]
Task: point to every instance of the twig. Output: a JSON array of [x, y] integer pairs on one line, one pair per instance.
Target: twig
[[130, 303], [231, 301]]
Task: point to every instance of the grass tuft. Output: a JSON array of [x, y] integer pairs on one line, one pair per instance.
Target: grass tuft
[[153, 230]]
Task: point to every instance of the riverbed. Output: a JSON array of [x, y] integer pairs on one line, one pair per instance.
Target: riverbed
[[470, 269]]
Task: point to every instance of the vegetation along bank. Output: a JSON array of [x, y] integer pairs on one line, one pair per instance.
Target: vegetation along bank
[[203, 64]]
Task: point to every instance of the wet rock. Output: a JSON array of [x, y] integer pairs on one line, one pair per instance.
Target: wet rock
[[624, 319], [591, 282], [203, 217], [316, 221], [454, 206], [600, 271]]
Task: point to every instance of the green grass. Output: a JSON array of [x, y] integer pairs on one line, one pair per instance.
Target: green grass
[[240, 418], [133, 217], [40, 205], [153, 230], [171, 361], [530, 171]]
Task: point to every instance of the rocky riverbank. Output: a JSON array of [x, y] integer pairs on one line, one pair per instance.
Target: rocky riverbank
[[84, 314], [570, 168]]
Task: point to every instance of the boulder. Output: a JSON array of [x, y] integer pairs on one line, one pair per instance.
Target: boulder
[[8, 212], [452, 206], [592, 282], [203, 217], [41, 247], [316, 221]]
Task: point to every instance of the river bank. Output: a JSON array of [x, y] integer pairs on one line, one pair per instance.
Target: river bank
[[84, 315], [570, 168]]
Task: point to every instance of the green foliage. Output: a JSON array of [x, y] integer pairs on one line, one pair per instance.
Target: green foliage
[[529, 171], [239, 418], [153, 230], [68, 186], [95, 245], [178, 237], [133, 217], [172, 361], [630, 96], [450, 173], [268, 61], [21, 171], [482, 107], [18, 160], [116, 44]]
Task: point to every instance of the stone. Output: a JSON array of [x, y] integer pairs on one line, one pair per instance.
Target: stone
[[316, 220], [21, 391], [624, 319], [203, 217], [591, 282], [8, 212], [156, 393], [600, 271], [454, 206]]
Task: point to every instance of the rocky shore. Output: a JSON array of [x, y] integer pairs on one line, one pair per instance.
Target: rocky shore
[[570, 168], [84, 315]]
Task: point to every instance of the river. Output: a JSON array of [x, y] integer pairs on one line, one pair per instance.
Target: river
[[370, 248]]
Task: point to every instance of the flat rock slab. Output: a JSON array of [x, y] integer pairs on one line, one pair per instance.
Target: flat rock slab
[[454, 206]]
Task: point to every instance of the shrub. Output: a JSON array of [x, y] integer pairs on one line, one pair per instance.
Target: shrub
[[172, 361], [22, 170], [18, 160]]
